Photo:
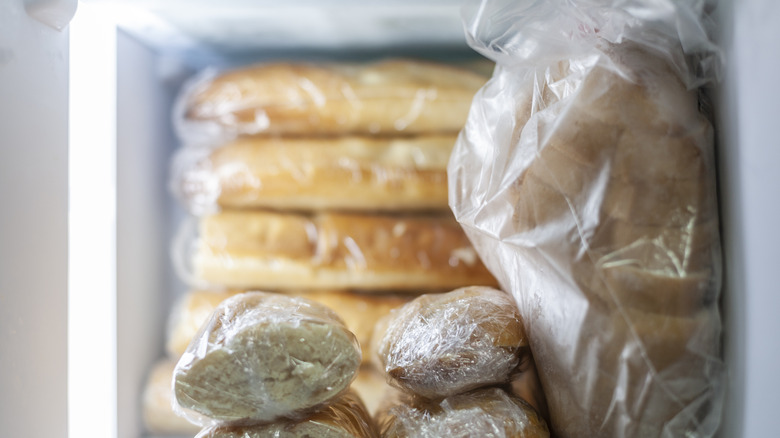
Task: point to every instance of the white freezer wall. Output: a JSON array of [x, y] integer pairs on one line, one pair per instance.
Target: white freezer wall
[[33, 223]]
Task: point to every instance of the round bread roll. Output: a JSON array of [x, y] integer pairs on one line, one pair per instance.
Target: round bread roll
[[346, 417], [443, 344], [263, 356], [486, 412], [393, 97]]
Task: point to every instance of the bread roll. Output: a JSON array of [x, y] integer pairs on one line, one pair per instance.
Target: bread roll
[[387, 97], [343, 173], [157, 410], [486, 412], [288, 251], [261, 357], [359, 311], [444, 344], [346, 417]]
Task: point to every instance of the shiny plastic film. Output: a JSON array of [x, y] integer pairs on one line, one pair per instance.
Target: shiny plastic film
[[485, 413], [326, 251], [390, 98], [359, 311], [262, 357], [585, 178], [320, 173], [346, 417], [448, 343]]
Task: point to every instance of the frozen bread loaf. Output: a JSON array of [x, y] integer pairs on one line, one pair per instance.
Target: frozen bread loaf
[[372, 252], [444, 344], [339, 173], [390, 97], [486, 412], [261, 357], [346, 417]]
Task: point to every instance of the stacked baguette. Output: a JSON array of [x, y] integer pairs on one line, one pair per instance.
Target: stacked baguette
[[320, 181]]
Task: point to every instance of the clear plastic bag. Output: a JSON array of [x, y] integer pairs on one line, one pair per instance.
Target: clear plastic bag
[[585, 178], [262, 357], [445, 344], [389, 97], [345, 417], [343, 173], [269, 250], [484, 413]]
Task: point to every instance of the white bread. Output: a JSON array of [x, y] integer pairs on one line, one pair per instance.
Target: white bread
[[261, 357], [289, 251], [342, 173], [387, 97]]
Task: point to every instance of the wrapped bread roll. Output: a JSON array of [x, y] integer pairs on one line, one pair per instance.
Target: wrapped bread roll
[[157, 410], [289, 251], [444, 344], [359, 311], [343, 173], [486, 412], [595, 204], [387, 97], [261, 357], [346, 417]]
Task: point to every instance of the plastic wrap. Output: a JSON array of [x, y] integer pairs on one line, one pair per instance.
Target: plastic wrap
[[359, 311], [326, 251], [388, 97], [585, 178], [346, 417], [343, 173], [261, 357], [484, 413], [444, 344]]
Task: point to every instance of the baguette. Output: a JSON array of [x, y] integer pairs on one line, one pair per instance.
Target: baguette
[[288, 251], [344, 173], [387, 97]]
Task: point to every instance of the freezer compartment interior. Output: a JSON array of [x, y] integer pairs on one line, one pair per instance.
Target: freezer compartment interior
[[155, 54]]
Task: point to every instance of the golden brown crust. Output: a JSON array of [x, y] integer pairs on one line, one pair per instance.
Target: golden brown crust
[[359, 311], [347, 417], [387, 97], [344, 173], [482, 412], [443, 344], [268, 250]]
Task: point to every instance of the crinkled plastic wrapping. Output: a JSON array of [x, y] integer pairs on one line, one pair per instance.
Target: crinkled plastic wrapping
[[343, 173], [359, 311], [484, 413], [390, 97], [326, 251], [261, 357], [585, 178], [346, 417], [444, 344]]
